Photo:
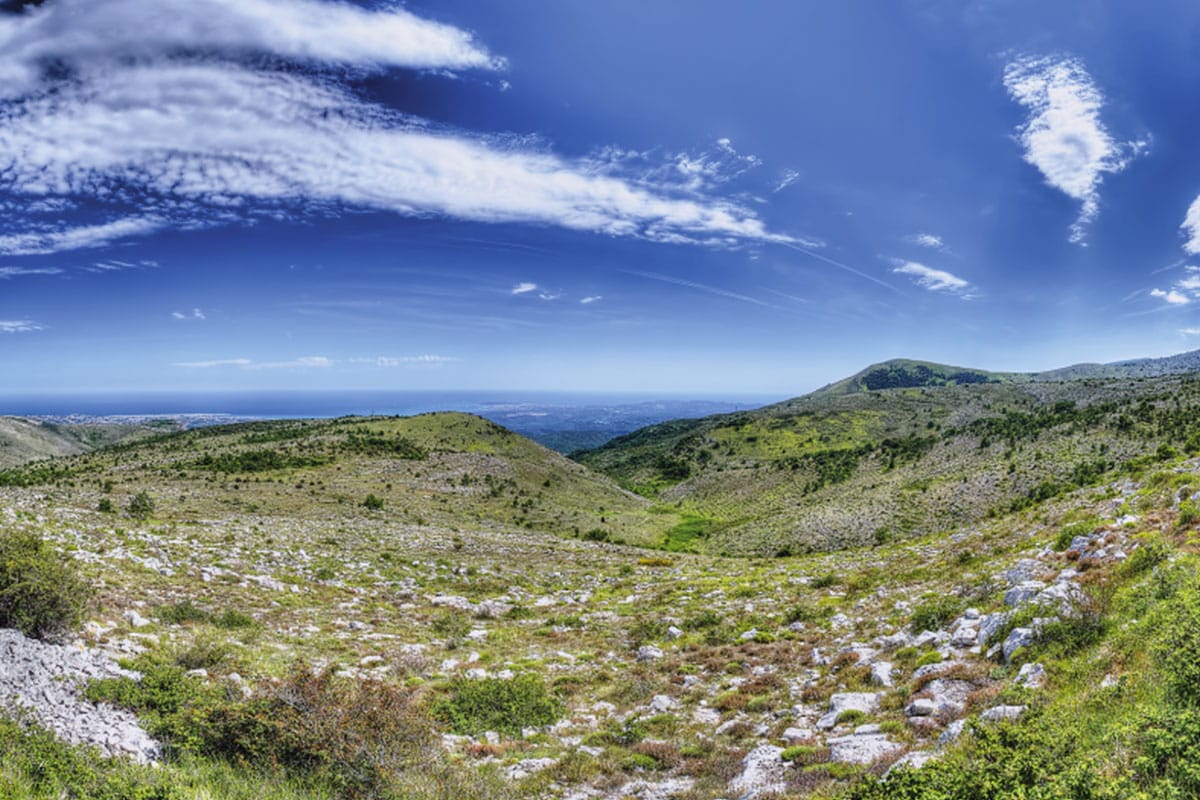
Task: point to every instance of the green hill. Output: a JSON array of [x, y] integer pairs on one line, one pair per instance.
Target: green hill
[[851, 465], [23, 440], [447, 470]]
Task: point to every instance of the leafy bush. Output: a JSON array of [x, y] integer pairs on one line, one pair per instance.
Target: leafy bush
[[41, 594], [141, 506], [373, 502], [933, 613], [105, 506], [357, 738], [1177, 651], [1151, 552], [495, 704], [1189, 513], [182, 612], [36, 763]]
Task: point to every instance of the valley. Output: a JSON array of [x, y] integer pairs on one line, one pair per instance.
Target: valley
[[555, 633]]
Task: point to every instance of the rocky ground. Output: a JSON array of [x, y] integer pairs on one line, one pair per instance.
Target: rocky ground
[[684, 676]]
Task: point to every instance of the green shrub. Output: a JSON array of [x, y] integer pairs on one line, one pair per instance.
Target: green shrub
[[41, 594], [232, 619], [1177, 650], [141, 506], [495, 704], [1151, 551], [932, 657], [105, 506], [1189, 513], [355, 739], [933, 613], [182, 612], [34, 763], [373, 502]]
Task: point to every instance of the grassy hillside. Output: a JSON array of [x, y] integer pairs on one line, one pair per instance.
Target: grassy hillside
[[448, 471], [23, 440], [847, 466], [514, 664]]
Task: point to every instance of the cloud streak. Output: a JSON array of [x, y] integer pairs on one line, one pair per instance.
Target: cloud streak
[[1064, 136], [158, 139], [306, 362], [20, 326], [935, 280]]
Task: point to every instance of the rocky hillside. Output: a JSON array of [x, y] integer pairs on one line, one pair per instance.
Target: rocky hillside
[[850, 466], [23, 440], [1042, 653], [448, 471]]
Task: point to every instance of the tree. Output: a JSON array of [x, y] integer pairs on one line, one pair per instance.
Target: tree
[[141, 506]]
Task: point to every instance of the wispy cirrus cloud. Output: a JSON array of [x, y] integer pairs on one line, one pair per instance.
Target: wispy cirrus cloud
[[177, 124], [1064, 135], [587, 301], [701, 287], [7, 273], [1190, 331], [525, 287], [930, 240], [935, 280], [20, 326], [194, 314], [306, 362], [426, 360]]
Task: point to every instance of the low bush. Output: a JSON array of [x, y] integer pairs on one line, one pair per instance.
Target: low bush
[[41, 594], [933, 613], [495, 704]]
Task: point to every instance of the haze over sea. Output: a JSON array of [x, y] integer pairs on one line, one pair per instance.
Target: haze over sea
[[562, 420]]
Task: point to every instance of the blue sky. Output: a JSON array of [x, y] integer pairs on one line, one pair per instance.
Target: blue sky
[[693, 197]]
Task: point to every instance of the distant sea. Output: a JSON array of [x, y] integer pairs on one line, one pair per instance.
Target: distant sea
[[565, 421]]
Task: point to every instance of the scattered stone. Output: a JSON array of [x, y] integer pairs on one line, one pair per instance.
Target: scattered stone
[[1023, 592], [1017, 638], [952, 732], [762, 773], [999, 713], [135, 619], [649, 652], [881, 674], [864, 748], [921, 707], [662, 703], [42, 679], [1031, 675], [866, 702]]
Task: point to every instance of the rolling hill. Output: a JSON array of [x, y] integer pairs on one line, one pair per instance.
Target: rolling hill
[[23, 440], [900, 448], [444, 470]]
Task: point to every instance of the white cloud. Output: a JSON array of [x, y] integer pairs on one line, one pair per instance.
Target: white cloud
[[1183, 291], [424, 360], [1190, 331], [702, 287], [1064, 136], [81, 32], [1191, 226], [935, 280], [154, 138], [524, 287], [1172, 296], [596, 298], [307, 362], [13, 272], [72, 238], [932, 241], [220, 362], [20, 326], [194, 314], [788, 177]]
